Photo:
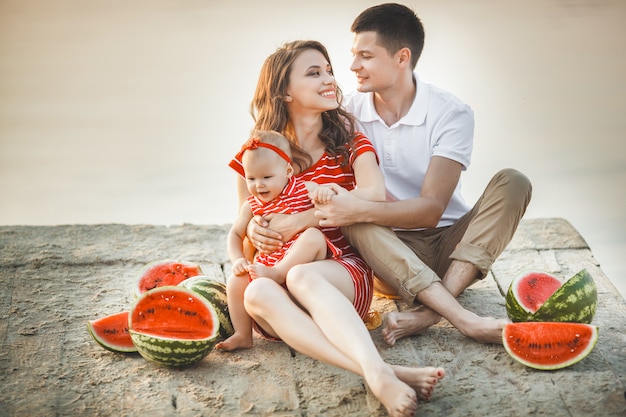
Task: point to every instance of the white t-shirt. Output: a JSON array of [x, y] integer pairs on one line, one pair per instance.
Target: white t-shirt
[[438, 123]]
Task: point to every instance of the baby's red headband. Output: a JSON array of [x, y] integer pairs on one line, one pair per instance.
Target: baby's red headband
[[255, 143]]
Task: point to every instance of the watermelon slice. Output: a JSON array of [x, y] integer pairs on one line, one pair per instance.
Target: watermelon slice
[[549, 345], [111, 332], [163, 273]]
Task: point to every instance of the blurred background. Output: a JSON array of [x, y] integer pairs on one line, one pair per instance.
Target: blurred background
[[129, 111]]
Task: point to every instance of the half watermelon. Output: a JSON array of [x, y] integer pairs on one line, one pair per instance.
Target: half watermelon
[[164, 272], [549, 345], [173, 326], [539, 296]]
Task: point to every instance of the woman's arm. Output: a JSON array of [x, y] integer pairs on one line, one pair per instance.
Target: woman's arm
[[370, 184]]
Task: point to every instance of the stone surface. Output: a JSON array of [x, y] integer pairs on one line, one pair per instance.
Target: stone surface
[[54, 279]]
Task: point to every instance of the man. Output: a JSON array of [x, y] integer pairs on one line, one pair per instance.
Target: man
[[423, 135]]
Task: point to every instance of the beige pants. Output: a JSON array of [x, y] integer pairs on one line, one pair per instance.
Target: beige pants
[[410, 261]]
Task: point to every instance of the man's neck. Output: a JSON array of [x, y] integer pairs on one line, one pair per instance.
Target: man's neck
[[394, 103]]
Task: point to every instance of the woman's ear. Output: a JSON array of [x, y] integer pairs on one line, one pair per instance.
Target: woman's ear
[[290, 170]]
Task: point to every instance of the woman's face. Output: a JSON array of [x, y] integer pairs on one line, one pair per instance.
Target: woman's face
[[312, 85]]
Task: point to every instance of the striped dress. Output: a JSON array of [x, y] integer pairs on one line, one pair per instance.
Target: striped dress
[[330, 169]]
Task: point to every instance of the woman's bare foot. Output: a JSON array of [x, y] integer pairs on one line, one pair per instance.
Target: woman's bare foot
[[397, 325], [264, 271], [236, 341], [422, 380], [398, 397]]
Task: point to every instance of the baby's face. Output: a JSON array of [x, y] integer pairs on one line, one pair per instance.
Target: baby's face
[[266, 173]]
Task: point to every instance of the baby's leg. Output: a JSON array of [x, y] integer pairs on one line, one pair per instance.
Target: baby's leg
[[242, 338], [310, 246]]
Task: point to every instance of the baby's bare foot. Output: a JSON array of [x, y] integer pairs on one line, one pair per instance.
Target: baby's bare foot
[[236, 341], [264, 271]]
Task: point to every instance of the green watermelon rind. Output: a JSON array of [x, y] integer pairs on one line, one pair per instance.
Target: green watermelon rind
[[575, 301], [147, 267], [214, 291], [172, 352], [581, 355], [169, 351]]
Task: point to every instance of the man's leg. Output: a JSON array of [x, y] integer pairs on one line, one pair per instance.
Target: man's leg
[[466, 252], [397, 265], [391, 259], [474, 241]]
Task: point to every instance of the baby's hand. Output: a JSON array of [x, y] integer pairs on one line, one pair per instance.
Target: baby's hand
[[240, 266], [322, 195]]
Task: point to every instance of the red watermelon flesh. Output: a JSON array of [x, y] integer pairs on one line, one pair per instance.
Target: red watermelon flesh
[[173, 312], [111, 332], [534, 288], [549, 345], [165, 273]]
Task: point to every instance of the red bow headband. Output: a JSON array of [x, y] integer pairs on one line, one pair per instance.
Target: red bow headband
[[255, 143]]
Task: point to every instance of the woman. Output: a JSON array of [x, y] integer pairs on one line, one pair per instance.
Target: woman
[[320, 309]]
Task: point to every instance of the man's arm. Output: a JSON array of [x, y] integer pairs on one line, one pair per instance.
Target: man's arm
[[440, 181]]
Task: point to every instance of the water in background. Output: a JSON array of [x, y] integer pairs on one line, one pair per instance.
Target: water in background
[[117, 111]]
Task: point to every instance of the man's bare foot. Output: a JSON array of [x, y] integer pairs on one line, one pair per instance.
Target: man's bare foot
[[236, 341], [264, 271], [483, 329], [422, 380], [399, 399], [397, 325]]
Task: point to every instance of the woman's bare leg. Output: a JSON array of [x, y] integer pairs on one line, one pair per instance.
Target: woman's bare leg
[[352, 350]]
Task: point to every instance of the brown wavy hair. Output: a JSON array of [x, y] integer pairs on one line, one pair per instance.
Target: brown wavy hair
[[269, 110]]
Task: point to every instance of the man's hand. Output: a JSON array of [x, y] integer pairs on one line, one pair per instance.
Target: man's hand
[[341, 210]]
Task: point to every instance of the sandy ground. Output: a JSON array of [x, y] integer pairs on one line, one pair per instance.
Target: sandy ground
[[54, 279]]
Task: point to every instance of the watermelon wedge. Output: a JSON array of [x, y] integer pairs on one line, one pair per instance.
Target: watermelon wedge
[[549, 345], [111, 332]]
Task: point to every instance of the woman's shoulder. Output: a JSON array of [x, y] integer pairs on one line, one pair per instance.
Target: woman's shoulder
[[361, 144]]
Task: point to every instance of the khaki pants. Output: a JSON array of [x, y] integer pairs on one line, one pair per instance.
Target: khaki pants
[[410, 261]]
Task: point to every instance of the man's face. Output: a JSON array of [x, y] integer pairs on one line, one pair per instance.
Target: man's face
[[374, 68]]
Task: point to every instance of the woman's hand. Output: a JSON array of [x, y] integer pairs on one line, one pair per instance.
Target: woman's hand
[[262, 237], [268, 233]]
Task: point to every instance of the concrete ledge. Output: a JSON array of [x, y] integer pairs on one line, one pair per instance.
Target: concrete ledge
[[54, 279]]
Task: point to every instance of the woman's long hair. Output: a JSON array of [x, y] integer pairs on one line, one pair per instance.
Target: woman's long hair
[[269, 109]]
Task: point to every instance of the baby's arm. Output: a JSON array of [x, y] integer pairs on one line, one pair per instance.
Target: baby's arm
[[235, 240], [320, 194]]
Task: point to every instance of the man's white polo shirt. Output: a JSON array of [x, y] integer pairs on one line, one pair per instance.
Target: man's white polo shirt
[[437, 124]]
